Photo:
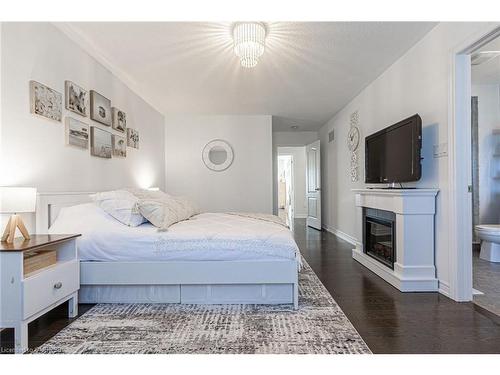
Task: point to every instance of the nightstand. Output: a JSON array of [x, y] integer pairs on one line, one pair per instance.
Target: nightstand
[[24, 298]]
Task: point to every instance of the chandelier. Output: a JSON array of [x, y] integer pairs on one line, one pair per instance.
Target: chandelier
[[249, 42]]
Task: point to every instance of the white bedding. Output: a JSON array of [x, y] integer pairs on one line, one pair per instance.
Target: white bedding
[[205, 237]]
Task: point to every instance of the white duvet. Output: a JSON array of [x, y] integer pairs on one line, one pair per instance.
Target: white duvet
[[204, 237]]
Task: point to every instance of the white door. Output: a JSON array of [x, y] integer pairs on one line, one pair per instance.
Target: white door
[[290, 192], [313, 178]]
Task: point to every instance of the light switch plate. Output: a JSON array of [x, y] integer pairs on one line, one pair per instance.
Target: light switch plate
[[441, 150]]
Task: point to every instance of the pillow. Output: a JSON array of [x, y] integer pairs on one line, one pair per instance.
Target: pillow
[[120, 204], [147, 194], [162, 213]]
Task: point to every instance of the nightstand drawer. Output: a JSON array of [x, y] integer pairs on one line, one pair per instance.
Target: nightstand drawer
[[49, 286]]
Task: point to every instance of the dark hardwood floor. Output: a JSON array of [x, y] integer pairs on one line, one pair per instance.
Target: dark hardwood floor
[[41, 329], [388, 320]]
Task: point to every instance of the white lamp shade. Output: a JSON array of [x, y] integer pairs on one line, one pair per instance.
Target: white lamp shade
[[17, 200]]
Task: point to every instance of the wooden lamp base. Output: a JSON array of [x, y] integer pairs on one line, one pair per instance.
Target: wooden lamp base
[[15, 221]]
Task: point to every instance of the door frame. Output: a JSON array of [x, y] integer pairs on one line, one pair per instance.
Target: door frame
[[292, 188], [459, 178], [291, 214]]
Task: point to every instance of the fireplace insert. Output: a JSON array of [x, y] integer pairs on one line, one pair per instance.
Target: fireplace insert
[[380, 235]]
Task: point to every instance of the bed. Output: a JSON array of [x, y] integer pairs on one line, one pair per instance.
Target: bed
[[213, 258]]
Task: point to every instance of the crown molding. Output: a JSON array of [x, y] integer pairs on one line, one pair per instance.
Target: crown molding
[[102, 58]]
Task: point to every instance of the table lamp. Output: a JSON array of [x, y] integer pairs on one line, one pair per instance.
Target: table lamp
[[15, 200]]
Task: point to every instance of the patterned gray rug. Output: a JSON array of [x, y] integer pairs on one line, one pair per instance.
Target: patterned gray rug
[[318, 327]]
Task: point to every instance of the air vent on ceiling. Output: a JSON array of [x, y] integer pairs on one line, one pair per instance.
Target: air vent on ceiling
[[481, 57], [331, 136]]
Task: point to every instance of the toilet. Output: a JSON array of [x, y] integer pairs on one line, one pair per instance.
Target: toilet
[[490, 241]]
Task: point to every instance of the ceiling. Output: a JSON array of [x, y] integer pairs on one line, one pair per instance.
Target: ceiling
[[489, 71], [308, 72]]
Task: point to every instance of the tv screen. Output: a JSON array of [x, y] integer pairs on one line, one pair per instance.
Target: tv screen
[[393, 154]]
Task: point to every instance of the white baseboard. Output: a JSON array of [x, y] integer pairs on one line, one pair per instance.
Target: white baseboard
[[344, 236], [444, 288], [300, 216], [476, 292]]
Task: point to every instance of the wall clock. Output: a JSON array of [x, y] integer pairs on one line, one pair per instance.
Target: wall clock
[[353, 138]]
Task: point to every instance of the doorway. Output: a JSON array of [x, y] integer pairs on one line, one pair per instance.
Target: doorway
[[463, 158], [285, 188], [291, 179], [485, 172]]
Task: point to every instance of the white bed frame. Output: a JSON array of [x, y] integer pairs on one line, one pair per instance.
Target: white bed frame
[[203, 282]]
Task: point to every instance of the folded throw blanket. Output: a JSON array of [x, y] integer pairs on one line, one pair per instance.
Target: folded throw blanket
[[264, 217]]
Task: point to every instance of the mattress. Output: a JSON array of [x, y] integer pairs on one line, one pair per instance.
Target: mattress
[[204, 237]]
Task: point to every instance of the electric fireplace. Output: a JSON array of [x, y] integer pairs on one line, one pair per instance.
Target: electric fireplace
[[380, 235]]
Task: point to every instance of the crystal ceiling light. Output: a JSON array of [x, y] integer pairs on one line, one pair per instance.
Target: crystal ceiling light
[[249, 42]]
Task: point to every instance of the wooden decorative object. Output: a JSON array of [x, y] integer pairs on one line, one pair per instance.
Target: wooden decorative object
[[15, 221]]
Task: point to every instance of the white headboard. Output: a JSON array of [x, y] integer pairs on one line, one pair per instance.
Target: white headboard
[[48, 206]]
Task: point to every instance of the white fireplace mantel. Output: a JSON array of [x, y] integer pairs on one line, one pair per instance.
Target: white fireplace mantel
[[414, 268]]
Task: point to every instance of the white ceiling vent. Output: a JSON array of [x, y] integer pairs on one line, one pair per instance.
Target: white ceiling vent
[[481, 57], [331, 136]]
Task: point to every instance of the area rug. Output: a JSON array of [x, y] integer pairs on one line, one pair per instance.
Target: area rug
[[318, 327]]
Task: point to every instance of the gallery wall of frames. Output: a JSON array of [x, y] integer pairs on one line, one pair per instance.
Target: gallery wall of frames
[[108, 134]]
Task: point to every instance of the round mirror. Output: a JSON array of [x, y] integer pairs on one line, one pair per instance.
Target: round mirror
[[217, 155]]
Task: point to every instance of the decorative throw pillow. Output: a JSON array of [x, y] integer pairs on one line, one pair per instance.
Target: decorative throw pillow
[[120, 204], [162, 213], [148, 194]]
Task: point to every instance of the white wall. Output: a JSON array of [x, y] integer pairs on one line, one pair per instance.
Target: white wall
[[489, 144], [287, 139], [294, 138], [33, 150], [299, 178], [245, 186], [418, 82], [1, 85]]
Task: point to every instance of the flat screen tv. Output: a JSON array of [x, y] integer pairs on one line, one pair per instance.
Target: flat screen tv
[[393, 154]]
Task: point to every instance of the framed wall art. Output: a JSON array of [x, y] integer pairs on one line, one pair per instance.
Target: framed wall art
[[119, 146], [45, 101], [77, 133], [76, 98], [132, 138], [119, 120], [100, 143], [100, 108]]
